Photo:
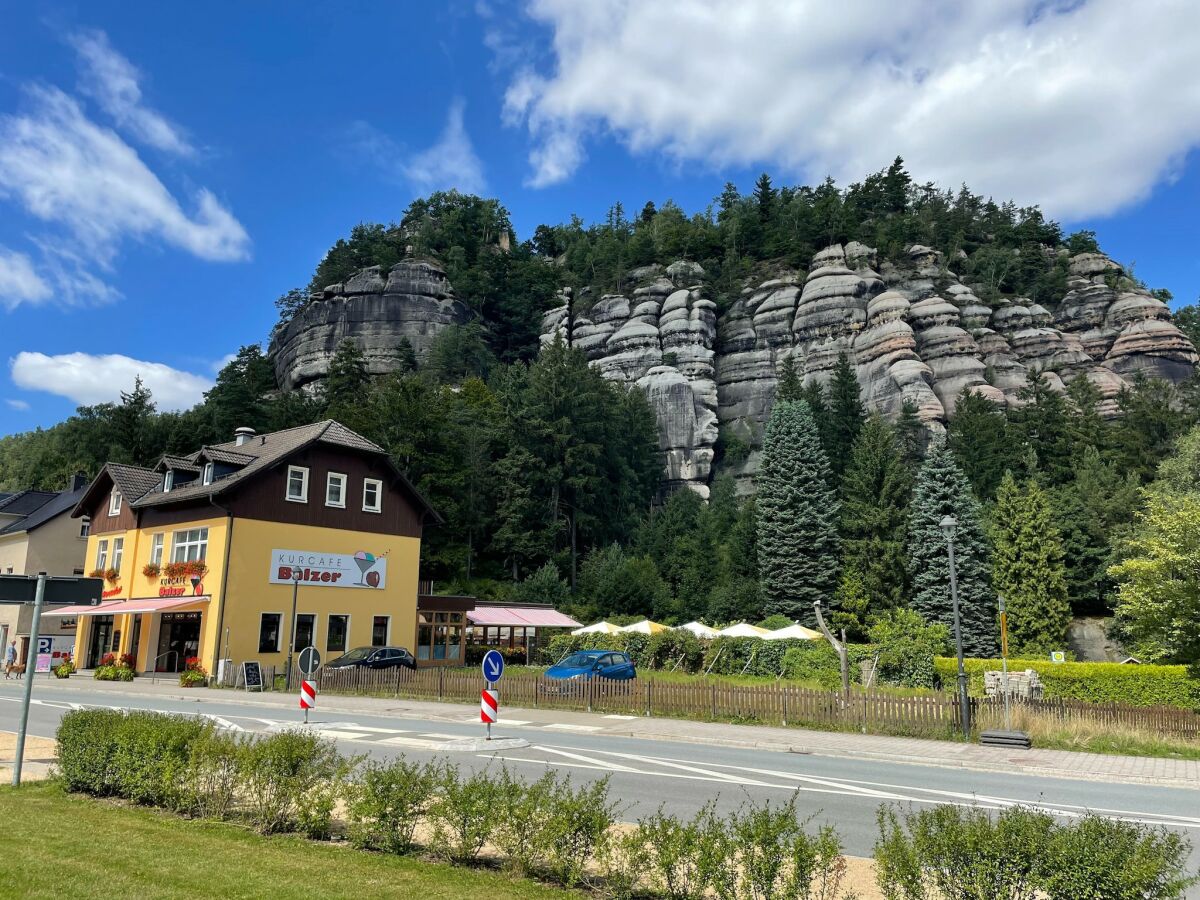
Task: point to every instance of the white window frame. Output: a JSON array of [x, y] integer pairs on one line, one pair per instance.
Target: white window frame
[[118, 552], [207, 477], [85, 526], [278, 631], [341, 479], [377, 483], [346, 642], [200, 542], [387, 637], [158, 542], [168, 481], [102, 554], [114, 503], [302, 471]]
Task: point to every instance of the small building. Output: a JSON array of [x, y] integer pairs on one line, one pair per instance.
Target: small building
[[204, 554], [38, 534]]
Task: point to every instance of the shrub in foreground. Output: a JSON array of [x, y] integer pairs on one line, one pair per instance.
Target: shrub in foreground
[[385, 803], [292, 781]]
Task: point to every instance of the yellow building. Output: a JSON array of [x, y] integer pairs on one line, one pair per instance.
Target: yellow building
[[203, 554]]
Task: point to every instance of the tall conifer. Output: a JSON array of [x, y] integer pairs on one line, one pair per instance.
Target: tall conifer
[[942, 489]]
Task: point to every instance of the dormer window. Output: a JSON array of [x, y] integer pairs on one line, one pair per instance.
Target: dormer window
[[297, 484], [114, 503], [169, 480], [208, 473]]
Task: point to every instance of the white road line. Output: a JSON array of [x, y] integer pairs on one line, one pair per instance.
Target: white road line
[[446, 737], [589, 759], [563, 726], [413, 743], [223, 723], [621, 718]]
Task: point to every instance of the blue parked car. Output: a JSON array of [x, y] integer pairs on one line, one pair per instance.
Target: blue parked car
[[594, 663]]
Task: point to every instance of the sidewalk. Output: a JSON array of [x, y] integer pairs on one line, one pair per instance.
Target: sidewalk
[[918, 751]]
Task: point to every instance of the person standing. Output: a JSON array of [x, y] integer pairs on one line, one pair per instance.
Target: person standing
[[10, 659]]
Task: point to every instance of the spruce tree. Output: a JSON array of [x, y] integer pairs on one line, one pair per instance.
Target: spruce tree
[[846, 414], [790, 383], [980, 438], [875, 496], [797, 512], [1028, 570], [815, 395], [943, 490]]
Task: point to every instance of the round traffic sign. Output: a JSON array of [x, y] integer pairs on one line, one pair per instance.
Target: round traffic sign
[[493, 666], [310, 660]]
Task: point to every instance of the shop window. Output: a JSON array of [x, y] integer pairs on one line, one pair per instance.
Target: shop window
[[339, 630], [268, 633], [379, 630], [335, 490], [118, 553], [372, 495], [85, 527], [297, 484], [190, 545], [306, 631], [156, 548], [114, 503], [102, 555]]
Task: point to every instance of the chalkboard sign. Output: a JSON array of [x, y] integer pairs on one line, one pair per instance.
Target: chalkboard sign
[[252, 676]]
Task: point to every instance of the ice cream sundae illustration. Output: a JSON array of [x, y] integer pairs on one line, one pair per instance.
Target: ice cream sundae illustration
[[365, 561]]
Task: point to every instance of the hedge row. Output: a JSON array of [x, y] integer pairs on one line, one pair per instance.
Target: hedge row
[[1136, 685], [293, 781]]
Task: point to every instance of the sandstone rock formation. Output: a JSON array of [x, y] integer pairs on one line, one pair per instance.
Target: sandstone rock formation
[[375, 309]]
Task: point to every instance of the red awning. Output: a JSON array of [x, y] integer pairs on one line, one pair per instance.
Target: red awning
[[124, 607], [519, 616]]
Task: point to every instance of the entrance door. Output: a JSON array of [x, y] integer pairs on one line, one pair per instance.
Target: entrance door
[[101, 639], [178, 641]]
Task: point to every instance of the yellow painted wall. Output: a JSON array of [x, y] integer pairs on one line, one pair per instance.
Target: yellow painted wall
[[249, 592]]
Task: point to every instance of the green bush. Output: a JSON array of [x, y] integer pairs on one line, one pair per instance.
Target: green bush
[[152, 756], [212, 779], [386, 802], [1094, 682], [292, 781], [685, 859], [577, 827], [778, 858], [1022, 854], [522, 834], [563, 644], [624, 861], [463, 812], [87, 741], [907, 646]]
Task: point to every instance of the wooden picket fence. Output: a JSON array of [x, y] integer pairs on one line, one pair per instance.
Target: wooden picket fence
[[874, 711]]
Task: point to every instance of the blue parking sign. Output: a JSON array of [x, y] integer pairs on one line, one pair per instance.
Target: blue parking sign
[[493, 666]]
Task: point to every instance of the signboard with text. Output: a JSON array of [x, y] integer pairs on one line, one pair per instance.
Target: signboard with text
[[312, 568]]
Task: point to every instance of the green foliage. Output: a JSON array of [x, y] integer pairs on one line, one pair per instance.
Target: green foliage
[[796, 515], [459, 352], [846, 415], [611, 581], [778, 858], [906, 647], [577, 826], [292, 780], [979, 437], [943, 490], [1028, 569], [543, 586], [522, 832], [386, 802], [1093, 682], [462, 814]]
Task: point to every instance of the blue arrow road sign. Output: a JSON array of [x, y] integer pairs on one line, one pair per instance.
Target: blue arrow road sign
[[493, 665]]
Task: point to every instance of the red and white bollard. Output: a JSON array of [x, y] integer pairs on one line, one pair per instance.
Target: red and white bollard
[[489, 709], [308, 697]]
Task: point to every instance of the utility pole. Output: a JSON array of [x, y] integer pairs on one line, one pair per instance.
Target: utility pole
[[949, 524], [292, 625], [34, 629]]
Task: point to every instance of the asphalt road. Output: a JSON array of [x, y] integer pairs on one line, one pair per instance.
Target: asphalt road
[[680, 777]]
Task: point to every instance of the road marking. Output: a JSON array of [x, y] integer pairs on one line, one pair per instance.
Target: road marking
[[413, 743], [563, 726], [222, 723], [446, 737], [589, 759], [621, 718]]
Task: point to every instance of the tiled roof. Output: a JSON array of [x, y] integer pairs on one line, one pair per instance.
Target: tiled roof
[[61, 503], [179, 463], [133, 482], [22, 503], [226, 456]]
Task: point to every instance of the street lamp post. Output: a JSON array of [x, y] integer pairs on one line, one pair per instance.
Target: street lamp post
[[292, 626], [949, 524]]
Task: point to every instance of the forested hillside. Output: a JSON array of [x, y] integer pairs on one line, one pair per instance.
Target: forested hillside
[[548, 474]]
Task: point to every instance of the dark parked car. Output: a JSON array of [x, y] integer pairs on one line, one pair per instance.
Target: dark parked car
[[594, 664], [373, 658]]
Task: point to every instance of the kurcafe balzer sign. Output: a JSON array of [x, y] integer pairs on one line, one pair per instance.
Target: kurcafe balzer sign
[[345, 570]]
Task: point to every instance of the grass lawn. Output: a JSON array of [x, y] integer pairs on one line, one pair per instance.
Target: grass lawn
[[55, 845]]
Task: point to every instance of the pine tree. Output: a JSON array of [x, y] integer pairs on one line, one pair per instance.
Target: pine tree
[[815, 395], [1028, 570], [943, 490], [347, 379], [980, 439], [910, 434], [846, 414], [796, 515], [875, 497], [790, 384], [1042, 423]]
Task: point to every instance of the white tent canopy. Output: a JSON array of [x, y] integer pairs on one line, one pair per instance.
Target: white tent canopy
[[644, 627], [743, 629], [699, 629], [598, 628], [793, 631]]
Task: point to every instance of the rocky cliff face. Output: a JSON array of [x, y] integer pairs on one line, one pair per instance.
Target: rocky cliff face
[[913, 331], [375, 309]]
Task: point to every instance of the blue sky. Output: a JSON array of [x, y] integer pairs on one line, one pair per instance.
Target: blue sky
[[167, 170]]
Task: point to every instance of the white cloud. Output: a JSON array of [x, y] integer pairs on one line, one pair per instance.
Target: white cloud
[[19, 405], [66, 169], [19, 283], [1081, 107], [112, 81], [88, 379], [449, 163]]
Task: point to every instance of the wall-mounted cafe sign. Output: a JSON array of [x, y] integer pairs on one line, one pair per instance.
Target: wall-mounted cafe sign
[[312, 568]]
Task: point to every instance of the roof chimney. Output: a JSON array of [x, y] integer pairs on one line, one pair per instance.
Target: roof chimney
[[78, 482], [241, 435]]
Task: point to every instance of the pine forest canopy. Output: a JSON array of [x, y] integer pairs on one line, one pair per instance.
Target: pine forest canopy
[[548, 473]]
